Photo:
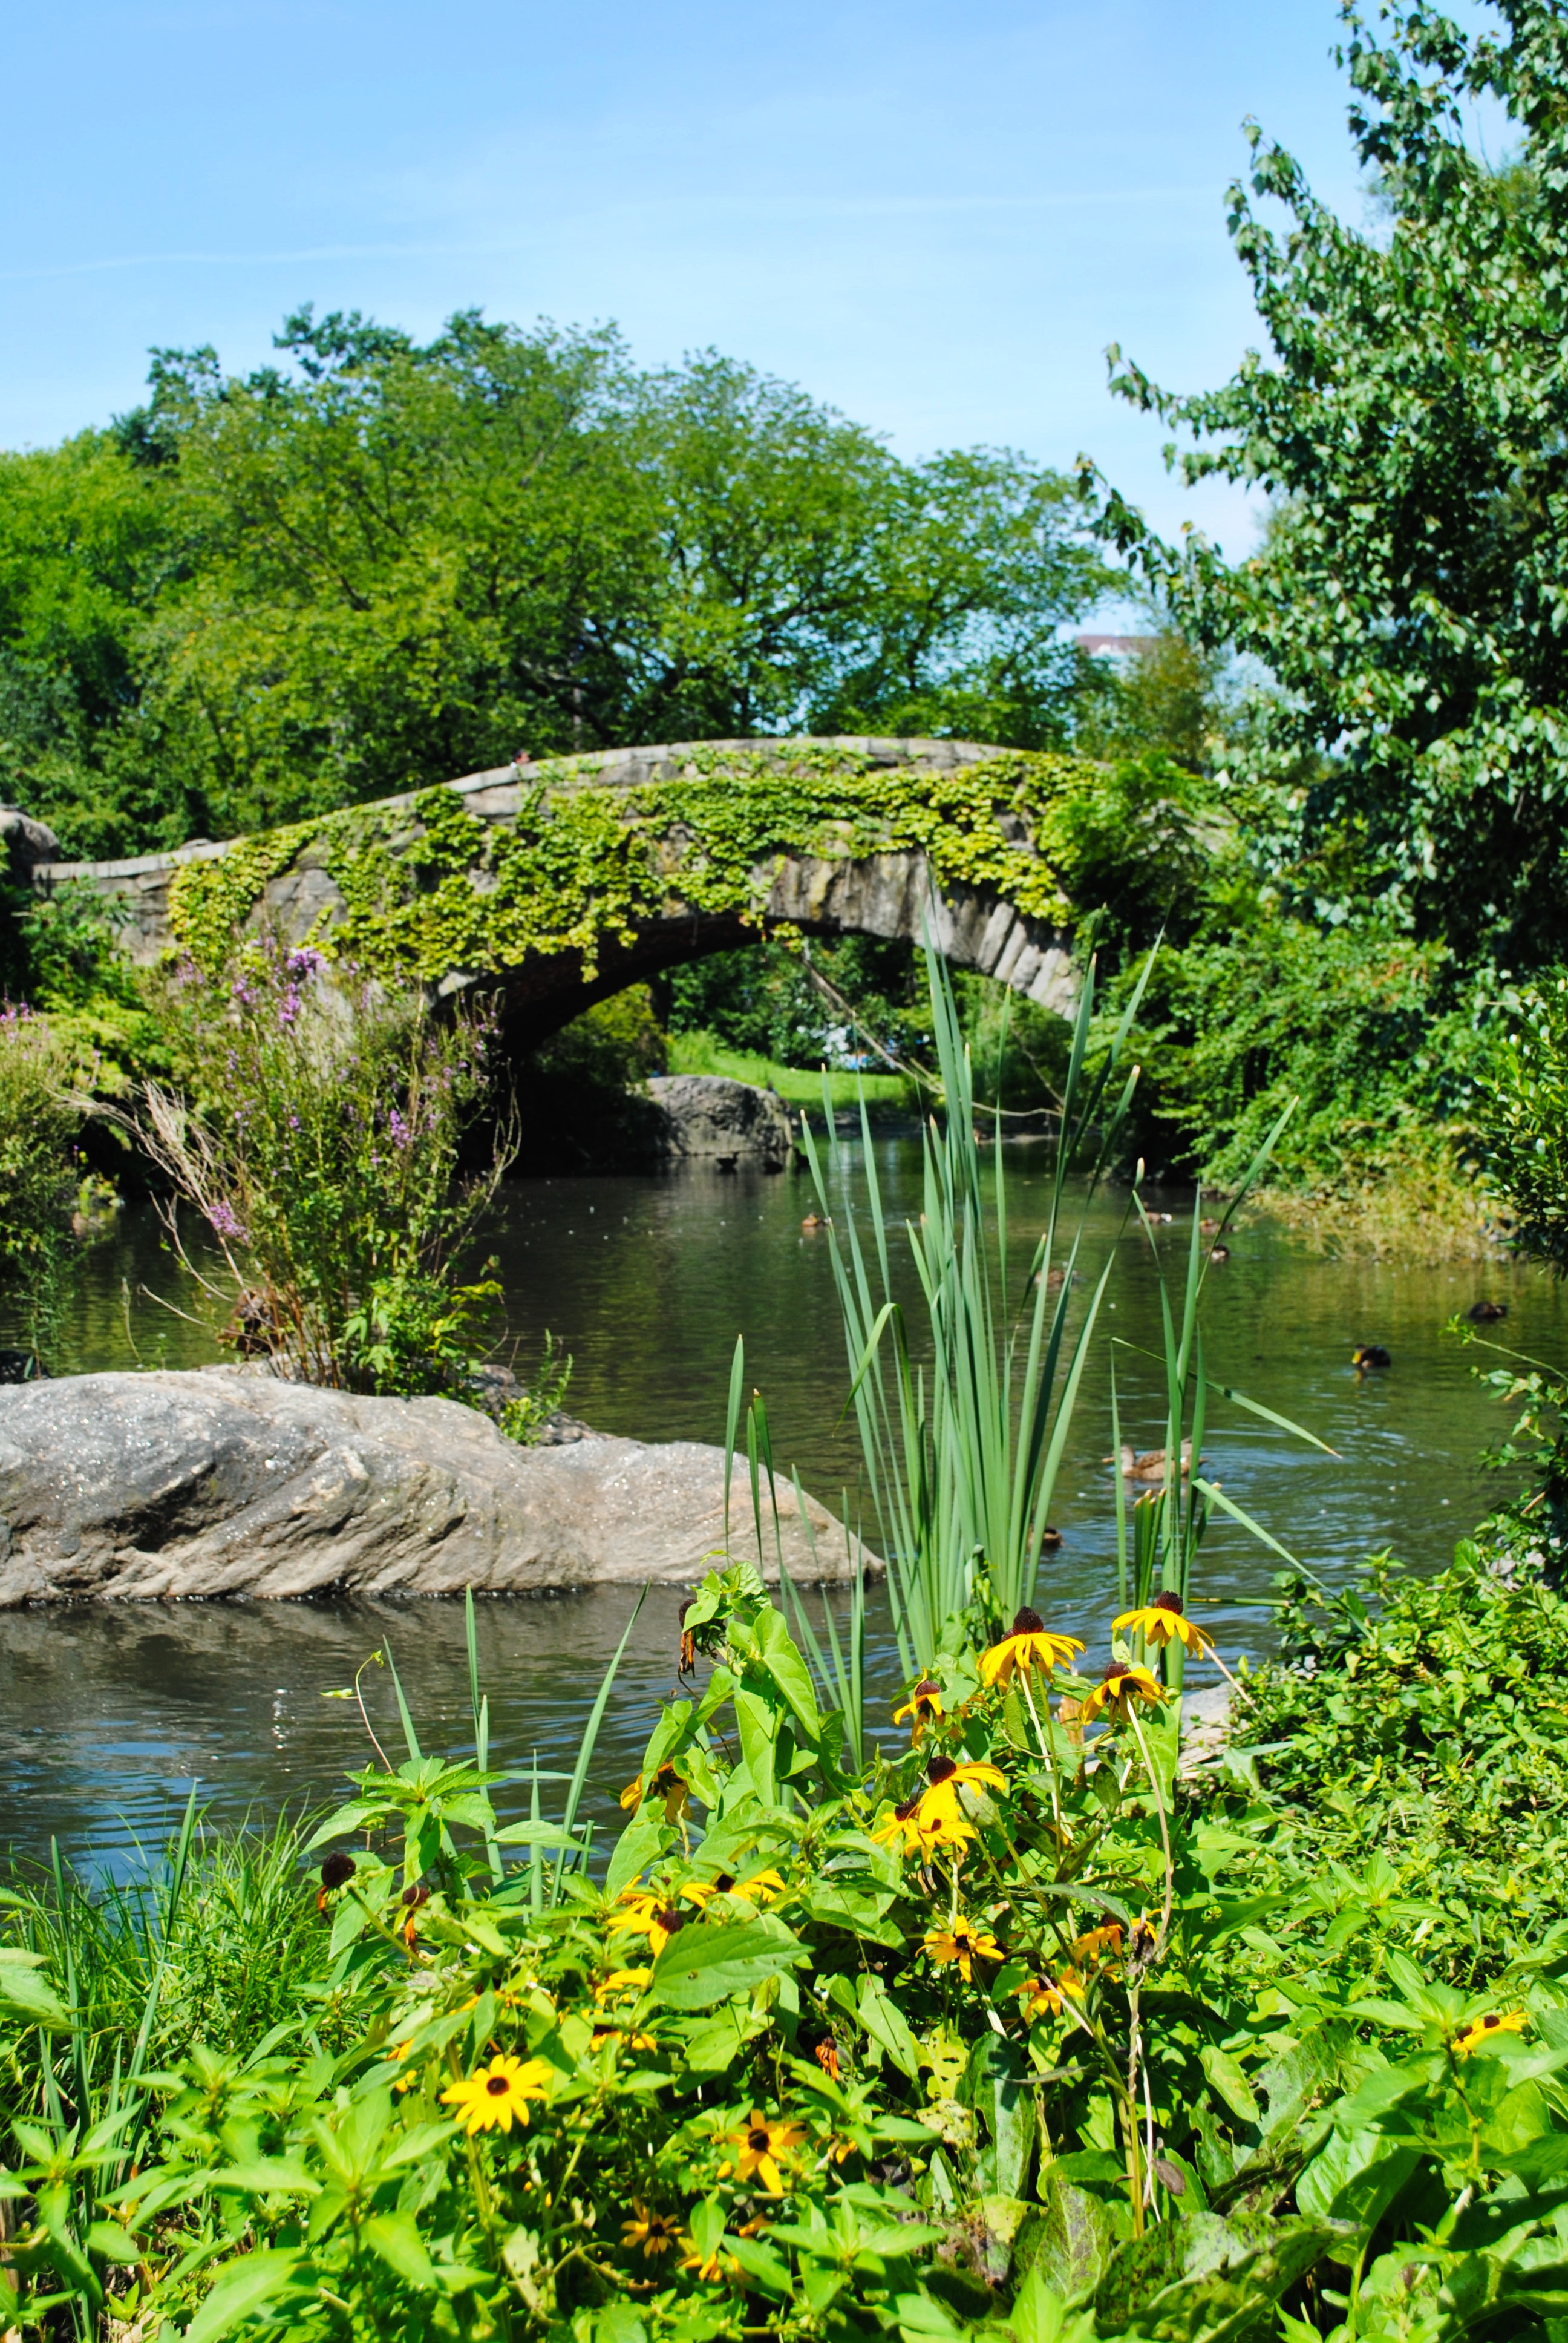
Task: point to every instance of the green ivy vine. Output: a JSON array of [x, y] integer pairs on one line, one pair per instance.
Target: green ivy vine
[[429, 887]]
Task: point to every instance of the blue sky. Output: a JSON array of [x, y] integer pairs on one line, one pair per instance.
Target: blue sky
[[933, 217]]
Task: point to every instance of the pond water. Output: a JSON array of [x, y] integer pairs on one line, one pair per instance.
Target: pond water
[[110, 1714]]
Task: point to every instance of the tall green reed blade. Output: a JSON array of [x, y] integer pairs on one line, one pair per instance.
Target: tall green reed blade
[[410, 1738], [589, 1741], [962, 1458], [731, 1422], [1171, 1523], [840, 1671], [480, 1704]]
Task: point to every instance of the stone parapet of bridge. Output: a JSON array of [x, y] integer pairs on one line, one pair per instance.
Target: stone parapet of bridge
[[556, 884]]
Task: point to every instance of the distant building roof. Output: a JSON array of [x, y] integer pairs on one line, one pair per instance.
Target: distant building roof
[[1115, 646]]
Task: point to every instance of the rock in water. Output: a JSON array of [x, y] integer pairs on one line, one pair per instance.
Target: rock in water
[[708, 1116], [225, 1481]]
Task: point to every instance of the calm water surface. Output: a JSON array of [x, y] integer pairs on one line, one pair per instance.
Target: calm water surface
[[110, 1714]]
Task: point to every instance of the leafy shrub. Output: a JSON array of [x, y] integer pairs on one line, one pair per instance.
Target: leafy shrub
[[319, 1137], [39, 1173], [526, 1418], [981, 2037], [1370, 1030], [1524, 1118], [1412, 1731]]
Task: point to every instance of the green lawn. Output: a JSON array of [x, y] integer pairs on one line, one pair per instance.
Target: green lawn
[[700, 1054]]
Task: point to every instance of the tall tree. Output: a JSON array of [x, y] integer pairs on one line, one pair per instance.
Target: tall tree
[[1410, 595], [382, 564]]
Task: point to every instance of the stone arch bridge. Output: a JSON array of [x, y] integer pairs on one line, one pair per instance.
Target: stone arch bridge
[[556, 884]]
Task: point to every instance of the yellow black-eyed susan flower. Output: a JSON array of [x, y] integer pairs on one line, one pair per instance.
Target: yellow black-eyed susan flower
[[497, 2095], [947, 1779], [1163, 1622], [1028, 1643], [917, 1835], [666, 1786], [1481, 2029], [621, 1982], [923, 1707], [650, 1914], [1038, 1997], [650, 2233], [761, 2144], [1122, 1689], [963, 1943]]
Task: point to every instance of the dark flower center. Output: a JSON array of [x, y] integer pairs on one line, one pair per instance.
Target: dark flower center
[[908, 1809], [1492, 2018], [725, 1882], [336, 1870], [1168, 1603], [940, 1769], [756, 2141], [926, 1689], [670, 1919], [498, 2086], [413, 1896], [1027, 1622], [1115, 1673]]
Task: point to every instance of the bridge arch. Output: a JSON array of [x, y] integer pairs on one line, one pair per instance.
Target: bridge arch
[[554, 885]]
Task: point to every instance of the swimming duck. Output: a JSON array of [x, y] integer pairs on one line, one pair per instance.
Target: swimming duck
[[1148, 1463], [1219, 1252], [1370, 1354], [812, 1222], [1486, 1314]]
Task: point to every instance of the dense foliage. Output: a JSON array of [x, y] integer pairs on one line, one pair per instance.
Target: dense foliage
[[318, 1134], [936, 2044], [378, 564], [1408, 423], [1525, 1110], [40, 1175]]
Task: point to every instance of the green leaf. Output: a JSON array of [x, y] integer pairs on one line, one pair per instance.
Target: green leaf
[[266, 2176], [783, 1661], [242, 2289], [24, 1991], [396, 2240], [1230, 2083], [111, 2243], [705, 1964]]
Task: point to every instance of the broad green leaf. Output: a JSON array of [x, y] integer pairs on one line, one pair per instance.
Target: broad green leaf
[[27, 1993], [705, 1964], [254, 2283], [1230, 2083]]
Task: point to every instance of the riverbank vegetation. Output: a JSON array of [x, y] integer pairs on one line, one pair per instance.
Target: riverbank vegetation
[[1002, 2020]]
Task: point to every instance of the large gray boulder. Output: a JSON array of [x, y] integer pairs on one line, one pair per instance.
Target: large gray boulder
[[25, 841], [225, 1481], [709, 1117]]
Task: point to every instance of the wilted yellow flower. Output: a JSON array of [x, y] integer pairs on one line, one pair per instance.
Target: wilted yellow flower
[[923, 1707], [1121, 1689]]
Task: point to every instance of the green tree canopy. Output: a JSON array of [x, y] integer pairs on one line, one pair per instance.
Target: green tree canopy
[[1409, 596], [377, 564]]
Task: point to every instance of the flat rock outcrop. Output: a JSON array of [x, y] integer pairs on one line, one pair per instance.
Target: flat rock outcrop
[[710, 1117], [225, 1481]]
